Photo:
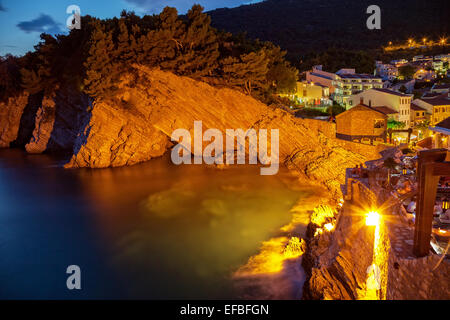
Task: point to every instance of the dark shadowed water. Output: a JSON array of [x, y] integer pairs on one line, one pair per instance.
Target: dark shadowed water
[[150, 231]]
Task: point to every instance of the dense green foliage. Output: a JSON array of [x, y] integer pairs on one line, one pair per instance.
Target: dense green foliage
[[9, 77], [94, 58], [310, 113], [335, 109], [394, 124]]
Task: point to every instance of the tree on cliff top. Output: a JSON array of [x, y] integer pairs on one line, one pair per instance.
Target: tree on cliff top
[[101, 74], [10, 84], [96, 57], [199, 52], [248, 71]]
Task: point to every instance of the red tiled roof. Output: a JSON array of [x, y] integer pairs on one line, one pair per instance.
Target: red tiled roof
[[385, 110], [416, 107], [430, 95], [444, 124], [442, 100], [363, 106], [391, 92]]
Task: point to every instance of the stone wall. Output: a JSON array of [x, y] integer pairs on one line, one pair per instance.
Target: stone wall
[[417, 279], [370, 151], [327, 128], [338, 264]]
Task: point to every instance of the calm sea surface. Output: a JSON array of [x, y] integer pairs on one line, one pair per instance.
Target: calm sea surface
[[150, 231]]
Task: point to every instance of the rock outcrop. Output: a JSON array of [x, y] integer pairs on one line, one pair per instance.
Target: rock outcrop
[[360, 261], [44, 123], [45, 118], [136, 122], [136, 125], [337, 262], [10, 116]]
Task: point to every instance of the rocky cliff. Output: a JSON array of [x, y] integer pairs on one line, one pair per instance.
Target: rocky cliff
[[135, 125], [359, 261], [10, 116]]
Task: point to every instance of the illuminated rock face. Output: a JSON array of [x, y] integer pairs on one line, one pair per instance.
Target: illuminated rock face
[[39, 124], [45, 118], [10, 116], [136, 126]]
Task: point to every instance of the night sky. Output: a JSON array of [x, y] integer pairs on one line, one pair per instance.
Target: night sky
[[22, 21]]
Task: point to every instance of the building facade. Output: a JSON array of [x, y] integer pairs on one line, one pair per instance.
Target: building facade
[[387, 72], [362, 124], [438, 107], [441, 137], [418, 114], [354, 83], [311, 94], [399, 102], [327, 79]]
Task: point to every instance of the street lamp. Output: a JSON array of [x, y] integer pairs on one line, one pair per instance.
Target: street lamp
[[372, 218]]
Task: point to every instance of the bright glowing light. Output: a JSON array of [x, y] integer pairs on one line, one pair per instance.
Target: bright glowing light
[[329, 226], [295, 248], [372, 218], [321, 214], [319, 231]]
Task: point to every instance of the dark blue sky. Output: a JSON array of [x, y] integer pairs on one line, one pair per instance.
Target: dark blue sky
[[21, 21]]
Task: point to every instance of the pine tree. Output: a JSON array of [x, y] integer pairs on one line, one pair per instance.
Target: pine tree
[[199, 51], [100, 71], [159, 46], [283, 77], [248, 72]]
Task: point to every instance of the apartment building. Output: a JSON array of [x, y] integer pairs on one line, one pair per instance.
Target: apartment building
[[418, 114], [344, 83], [438, 107], [399, 63], [354, 83], [440, 88], [386, 71], [328, 79], [397, 101], [311, 94]]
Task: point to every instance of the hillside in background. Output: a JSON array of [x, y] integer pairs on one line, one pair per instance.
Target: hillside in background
[[305, 26]]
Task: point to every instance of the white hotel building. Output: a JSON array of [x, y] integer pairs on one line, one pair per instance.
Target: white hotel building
[[399, 102]]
